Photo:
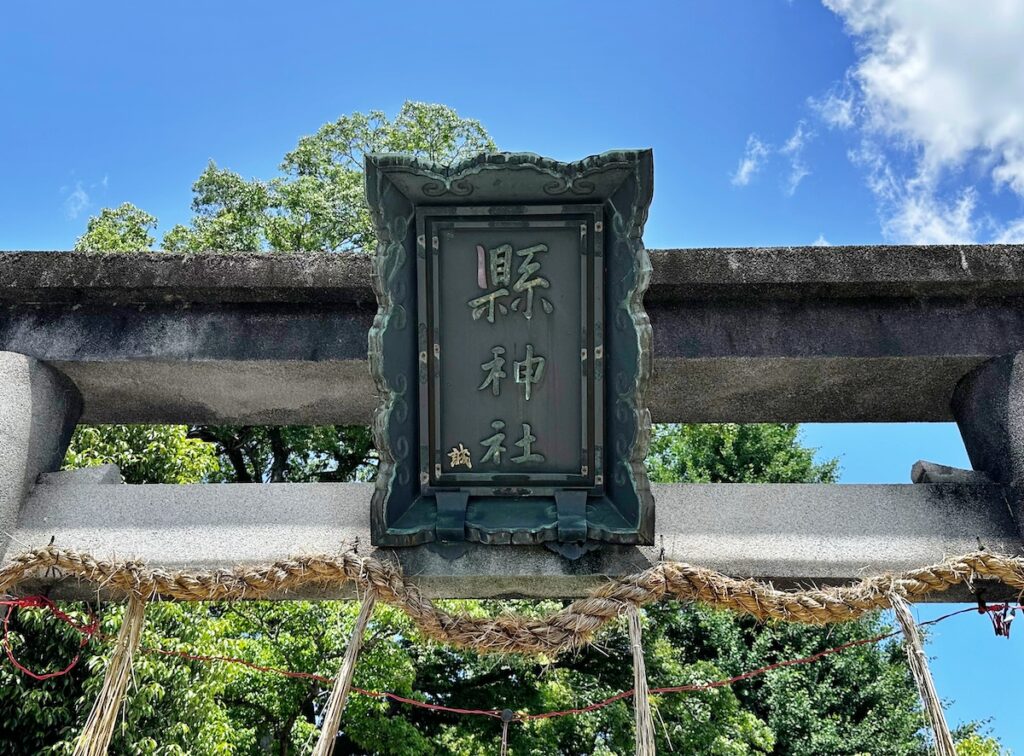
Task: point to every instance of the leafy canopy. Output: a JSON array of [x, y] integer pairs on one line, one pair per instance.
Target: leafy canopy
[[731, 453], [145, 453], [316, 204], [125, 228]]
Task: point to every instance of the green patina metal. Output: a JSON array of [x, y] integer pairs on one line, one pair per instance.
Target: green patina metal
[[511, 350]]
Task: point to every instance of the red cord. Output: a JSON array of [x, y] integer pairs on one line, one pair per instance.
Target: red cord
[[311, 676], [92, 630], [87, 632]]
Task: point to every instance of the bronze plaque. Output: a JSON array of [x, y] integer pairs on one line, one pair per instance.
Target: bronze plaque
[[513, 312], [511, 350]]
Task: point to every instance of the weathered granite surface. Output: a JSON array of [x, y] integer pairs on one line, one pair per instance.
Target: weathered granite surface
[[792, 534], [872, 270], [38, 411], [792, 334], [989, 407]]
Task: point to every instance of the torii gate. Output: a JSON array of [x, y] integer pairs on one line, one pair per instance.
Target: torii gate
[[847, 334]]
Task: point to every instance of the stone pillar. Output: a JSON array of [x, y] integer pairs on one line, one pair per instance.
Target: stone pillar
[[39, 408], [988, 404]]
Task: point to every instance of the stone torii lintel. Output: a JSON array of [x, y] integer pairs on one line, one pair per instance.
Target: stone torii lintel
[[836, 334]]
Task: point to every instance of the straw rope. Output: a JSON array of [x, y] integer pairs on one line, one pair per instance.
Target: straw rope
[[99, 727], [343, 682], [918, 662], [643, 722], [568, 628]]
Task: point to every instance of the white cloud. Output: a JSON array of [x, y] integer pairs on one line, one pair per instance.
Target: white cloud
[[753, 158], [795, 144], [77, 200], [794, 150], [1011, 233], [757, 153], [1010, 172], [911, 208], [939, 85], [797, 173], [821, 241], [922, 218], [835, 108]]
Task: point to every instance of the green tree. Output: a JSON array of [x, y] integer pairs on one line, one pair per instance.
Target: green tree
[[264, 714], [145, 453], [125, 228], [970, 742], [861, 701], [174, 707], [316, 204], [731, 453]]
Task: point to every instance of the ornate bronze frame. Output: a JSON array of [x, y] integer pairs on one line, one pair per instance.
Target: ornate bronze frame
[[403, 512]]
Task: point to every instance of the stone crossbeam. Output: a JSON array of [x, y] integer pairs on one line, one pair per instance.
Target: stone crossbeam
[[792, 534], [813, 334]]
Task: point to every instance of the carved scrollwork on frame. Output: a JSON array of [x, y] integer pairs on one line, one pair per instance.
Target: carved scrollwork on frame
[[571, 186], [401, 456], [392, 284], [628, 269], [456, 187], [515, 177]]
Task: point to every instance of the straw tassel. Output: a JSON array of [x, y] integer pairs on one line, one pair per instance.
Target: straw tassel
[[343, 682], [923, 677], [641, 695], [99, 727]]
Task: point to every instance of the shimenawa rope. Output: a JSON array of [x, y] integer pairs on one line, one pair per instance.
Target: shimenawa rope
[[563, 630], [568, 628], [99, 727]]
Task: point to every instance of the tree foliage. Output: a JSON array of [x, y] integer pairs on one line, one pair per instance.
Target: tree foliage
[[861, 701], [125, 228], [731, 453], [145, 453], [316, 204], [277, 454]]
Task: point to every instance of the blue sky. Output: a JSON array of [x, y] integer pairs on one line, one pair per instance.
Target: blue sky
[[772, 123]]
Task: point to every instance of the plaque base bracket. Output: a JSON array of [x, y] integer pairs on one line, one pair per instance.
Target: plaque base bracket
[[451, 516], [571, 507], [573, 551], [572, 515]]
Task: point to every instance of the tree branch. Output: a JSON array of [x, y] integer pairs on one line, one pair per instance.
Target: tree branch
[[279, 466], [230, 449]]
